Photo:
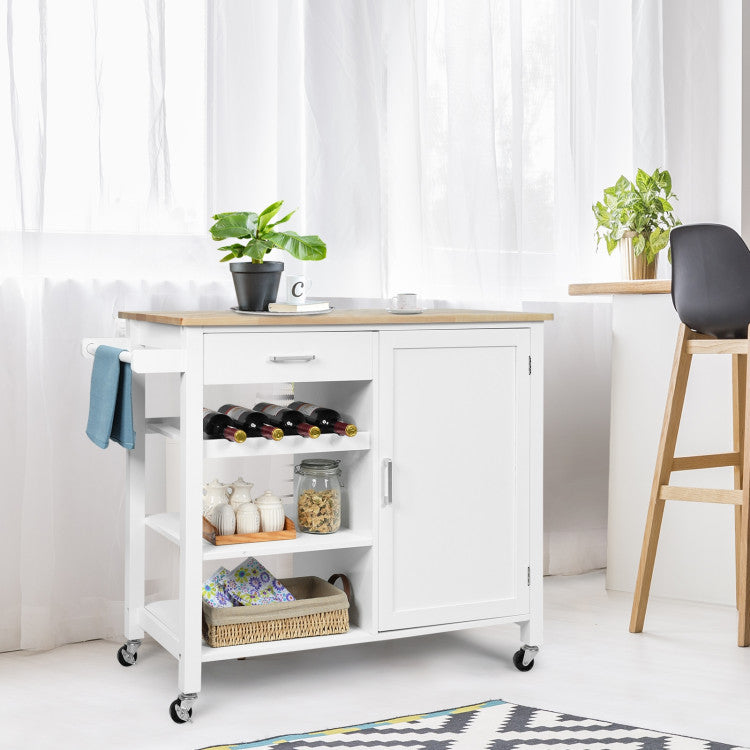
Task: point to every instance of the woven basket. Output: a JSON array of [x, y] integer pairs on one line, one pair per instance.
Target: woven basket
[[319, 609]]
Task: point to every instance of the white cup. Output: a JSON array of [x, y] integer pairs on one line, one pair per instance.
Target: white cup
[[296, 289], [405, 301]]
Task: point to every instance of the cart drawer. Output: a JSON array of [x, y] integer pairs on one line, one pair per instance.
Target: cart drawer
[[287, 357]]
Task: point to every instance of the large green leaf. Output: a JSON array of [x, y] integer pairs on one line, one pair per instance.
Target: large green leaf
[[282, 220], [664, 181], [644, 180], [240, 224], [235, 251], [659, 240], [622, 184], [309, 247], [257, 249], [267, 214], [639, 244]]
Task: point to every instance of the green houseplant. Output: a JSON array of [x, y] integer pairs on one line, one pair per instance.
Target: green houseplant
[[639, 218], [257, 281]]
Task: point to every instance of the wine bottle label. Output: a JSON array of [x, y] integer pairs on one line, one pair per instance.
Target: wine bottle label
[[236, 413], [303, 408], [272, 409]]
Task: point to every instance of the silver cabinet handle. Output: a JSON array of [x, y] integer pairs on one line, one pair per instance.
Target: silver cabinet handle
[[292, 358], [388, 482]]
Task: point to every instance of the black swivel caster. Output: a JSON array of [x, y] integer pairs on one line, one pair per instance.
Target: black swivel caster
[[127, 654], [523, 659], [181, 709]]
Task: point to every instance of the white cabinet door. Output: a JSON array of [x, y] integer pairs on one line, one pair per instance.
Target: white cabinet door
[[454, 437]]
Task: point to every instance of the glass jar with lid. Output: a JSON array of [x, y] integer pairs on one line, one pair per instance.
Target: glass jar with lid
[[318, 493]]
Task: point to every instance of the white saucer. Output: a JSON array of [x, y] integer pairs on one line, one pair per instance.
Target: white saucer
[[413, 311], [281, 314]]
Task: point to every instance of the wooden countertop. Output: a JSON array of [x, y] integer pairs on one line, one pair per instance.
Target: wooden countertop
[[334, 318], [651, 286]]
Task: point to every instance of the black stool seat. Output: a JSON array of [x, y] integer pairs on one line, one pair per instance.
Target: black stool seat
[[711, 280]]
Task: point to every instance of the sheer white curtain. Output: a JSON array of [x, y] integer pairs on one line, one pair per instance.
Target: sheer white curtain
[[102, 185], [439, 146]]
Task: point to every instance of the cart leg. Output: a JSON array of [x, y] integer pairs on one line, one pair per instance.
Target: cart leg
[[191, 541], [531, 637], [135, 529]]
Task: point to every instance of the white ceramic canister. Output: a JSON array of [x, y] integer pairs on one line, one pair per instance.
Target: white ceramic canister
[[248, 519], [239, 493], [213, 494], [271, 512], [224, 519]]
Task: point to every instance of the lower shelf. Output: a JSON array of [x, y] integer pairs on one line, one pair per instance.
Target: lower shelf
[[160, 620], [355, 635]]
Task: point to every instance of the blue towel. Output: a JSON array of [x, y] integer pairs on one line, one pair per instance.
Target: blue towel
[[111, 400]]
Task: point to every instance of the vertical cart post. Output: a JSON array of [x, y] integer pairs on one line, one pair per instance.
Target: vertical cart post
[[135, 529], [191, 482]]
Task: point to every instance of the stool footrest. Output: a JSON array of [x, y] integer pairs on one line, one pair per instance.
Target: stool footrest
[[713, 461], [700, 495], [717, 346]]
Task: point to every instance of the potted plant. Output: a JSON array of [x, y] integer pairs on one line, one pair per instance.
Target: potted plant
[[255, 281], [637, 217]]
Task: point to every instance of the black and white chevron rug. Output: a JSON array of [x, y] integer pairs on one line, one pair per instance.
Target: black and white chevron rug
[[494, 725]]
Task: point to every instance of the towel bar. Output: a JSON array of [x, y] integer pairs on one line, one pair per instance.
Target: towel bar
[[124, 356], [141, 359]]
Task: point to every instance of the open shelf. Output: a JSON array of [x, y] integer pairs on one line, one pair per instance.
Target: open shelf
[[288, 446], [160, 620], [168, 525], [354, 635]]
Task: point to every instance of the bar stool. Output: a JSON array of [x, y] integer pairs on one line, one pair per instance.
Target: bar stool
[[711, 294]]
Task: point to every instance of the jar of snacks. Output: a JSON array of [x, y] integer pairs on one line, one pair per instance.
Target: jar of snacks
[[318, 493]]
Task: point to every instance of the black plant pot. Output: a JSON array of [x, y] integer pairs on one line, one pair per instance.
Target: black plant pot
[[256, 284]]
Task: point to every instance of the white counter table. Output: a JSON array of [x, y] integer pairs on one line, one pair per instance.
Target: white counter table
[[695, 560]]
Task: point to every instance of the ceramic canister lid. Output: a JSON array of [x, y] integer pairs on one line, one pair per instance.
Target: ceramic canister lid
[[267, 498]]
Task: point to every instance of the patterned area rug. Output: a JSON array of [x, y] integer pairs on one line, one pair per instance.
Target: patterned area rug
[[494, 725]]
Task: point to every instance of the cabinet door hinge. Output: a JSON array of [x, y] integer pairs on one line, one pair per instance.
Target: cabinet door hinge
[[529, 364], [528, 576]]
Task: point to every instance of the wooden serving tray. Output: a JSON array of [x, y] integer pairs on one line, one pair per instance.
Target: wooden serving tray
[[288, 532]]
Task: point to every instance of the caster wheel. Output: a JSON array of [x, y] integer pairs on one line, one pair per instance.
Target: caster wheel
[[125, 657], [518, 661], [178, 714]]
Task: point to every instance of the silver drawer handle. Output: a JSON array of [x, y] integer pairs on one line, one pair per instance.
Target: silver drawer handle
[[292, 358]]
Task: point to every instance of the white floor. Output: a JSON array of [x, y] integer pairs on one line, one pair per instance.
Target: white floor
[[684, 675]]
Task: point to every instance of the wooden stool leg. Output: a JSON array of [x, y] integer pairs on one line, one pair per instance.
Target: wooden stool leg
[[743, 603], [739, 386], [662, 472]]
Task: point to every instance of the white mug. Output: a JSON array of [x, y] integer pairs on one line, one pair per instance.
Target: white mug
[[405, 301], [296, 289]]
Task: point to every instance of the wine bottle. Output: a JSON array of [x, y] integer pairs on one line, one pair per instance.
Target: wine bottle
[[328, 420], [290, 421], [252, 422], [217, 425]]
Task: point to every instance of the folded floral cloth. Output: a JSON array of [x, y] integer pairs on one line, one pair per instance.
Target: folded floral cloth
[[214, 590], [250, 583]]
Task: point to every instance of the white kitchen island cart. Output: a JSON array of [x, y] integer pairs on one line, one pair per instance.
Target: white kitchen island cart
[[442, 518]]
